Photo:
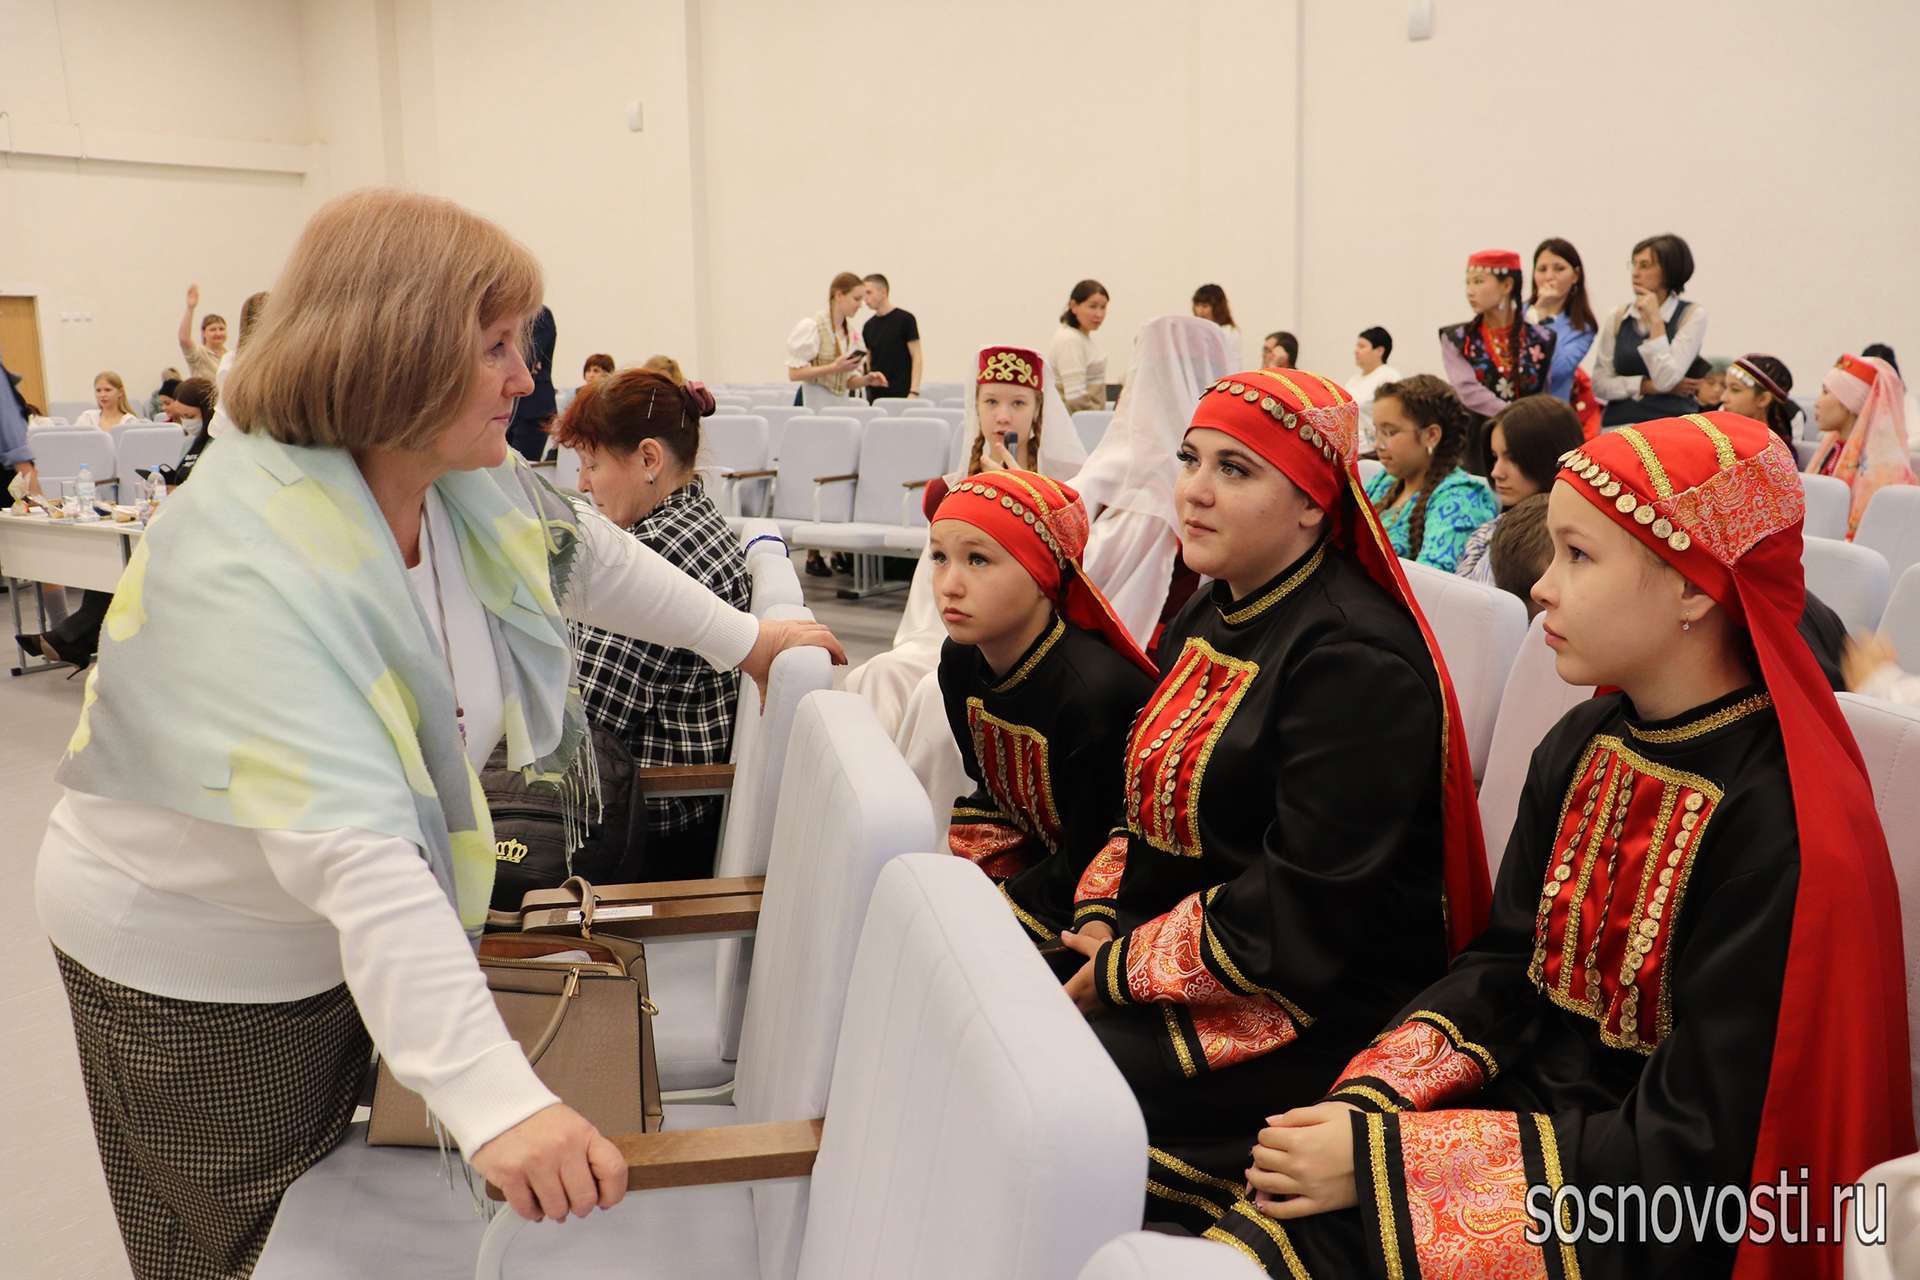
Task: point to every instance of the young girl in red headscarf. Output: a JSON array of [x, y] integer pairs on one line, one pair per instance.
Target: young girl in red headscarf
[[1691, 983], [1040, 683], [1861, 414]]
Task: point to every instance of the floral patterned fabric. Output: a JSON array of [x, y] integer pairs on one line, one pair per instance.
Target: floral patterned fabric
[[1460, 504]]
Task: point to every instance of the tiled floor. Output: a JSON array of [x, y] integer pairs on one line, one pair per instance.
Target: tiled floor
[[55, 1222]]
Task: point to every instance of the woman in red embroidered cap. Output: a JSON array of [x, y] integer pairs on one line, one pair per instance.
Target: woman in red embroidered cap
[[1496, 357], [1692, 978], [1861, 414], [1299, 850], [1040, 684]]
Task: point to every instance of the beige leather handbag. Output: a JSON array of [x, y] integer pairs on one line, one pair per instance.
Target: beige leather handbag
[[586, 1026]]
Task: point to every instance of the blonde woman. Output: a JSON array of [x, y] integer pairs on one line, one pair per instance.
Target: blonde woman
[[250, 312], [241, 895], [110, 403], [823, 350]]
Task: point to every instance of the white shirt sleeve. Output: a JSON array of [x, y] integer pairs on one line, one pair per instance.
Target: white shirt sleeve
[[1668, 357], [1891, 684], [1069, 356], [635, 591], [1607, 384], [91, 418], [413, 976], [803, 344]]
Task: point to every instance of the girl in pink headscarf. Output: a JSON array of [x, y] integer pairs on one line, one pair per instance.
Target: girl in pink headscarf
[[1861, 414]]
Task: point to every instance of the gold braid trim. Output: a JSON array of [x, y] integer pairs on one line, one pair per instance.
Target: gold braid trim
[[1656, 474], [1722, 447], [1282, 591], [1035, 659], [1706, 724], [1550, 1158], [1276, 1233], [1383, 1197], [1206, 1206], [1459, 1039]]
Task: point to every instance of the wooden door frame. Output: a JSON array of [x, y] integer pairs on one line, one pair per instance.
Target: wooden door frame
[[38, 373]]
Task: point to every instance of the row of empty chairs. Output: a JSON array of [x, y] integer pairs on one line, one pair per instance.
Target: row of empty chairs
[[112, 456]]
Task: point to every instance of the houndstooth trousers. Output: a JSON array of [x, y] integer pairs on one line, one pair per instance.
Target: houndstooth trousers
[[205, 1113]]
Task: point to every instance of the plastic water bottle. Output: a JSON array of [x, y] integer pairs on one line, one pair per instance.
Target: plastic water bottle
[[156, 491], [87, 494]]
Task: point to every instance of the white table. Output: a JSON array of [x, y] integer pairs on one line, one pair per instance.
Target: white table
[[40, 549]]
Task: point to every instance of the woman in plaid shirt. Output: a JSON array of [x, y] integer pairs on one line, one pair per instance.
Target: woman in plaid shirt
[[638, 434]]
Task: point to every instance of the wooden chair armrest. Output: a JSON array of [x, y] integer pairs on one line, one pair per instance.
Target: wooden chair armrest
[[684, 780], [846, 479], [762, 474], [725, 1153], [613, 895], [735, 915], [918, 484]]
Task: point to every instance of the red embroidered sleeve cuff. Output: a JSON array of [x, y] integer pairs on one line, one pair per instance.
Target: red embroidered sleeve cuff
[[1444, 1193], [1417, 1066], [1096, 896], [990, 842]]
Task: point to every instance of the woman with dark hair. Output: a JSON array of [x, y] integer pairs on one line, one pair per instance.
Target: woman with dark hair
[[1526, 443], [1496, 357], [1427, 501], [1647, 347], [1757, 388], [638, 435], [823, 351], [1559, 303], [1210, 303], [1079, 366]]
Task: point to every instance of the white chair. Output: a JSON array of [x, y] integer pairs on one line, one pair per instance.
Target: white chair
[[1804, 428], [1534, 700], [69, 410], [1479, 629], [1900, 622], [730, 444], [921, 409], [850, 804], [758, 536], [566, 468], [1369, 468], [778, 416], [938, 391], [1889, 738], [1803, 451], [1891, 526], [1852, 579], [59, 453], [1898, 1258], [1828, 500], [1148, 1255], [143, 448], [862, 410], [953, 402], [819, 460], [774, 582], [897, 455], [1091, 424]]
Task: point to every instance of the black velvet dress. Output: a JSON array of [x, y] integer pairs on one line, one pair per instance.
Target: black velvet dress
[[1613, 1026]]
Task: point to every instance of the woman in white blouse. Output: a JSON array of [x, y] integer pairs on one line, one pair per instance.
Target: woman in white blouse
[[823, 351], [110, 399], [1079, 366], [221, 880], [1641, 360]]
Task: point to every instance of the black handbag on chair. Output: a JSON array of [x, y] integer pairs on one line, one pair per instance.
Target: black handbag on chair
[[529, 826]]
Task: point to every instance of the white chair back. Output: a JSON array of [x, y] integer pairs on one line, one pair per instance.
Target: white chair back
[[143, 448], [1092, 424], [566, 468], [848, 804], [59, 454], [956, 1039], [1901, 620], [1897, 1256], [761, 737], [1828, 500], [1369, 468], [773, 582], [778, 416], [1534, 700], [1148, 1255], [1479, 628], [1852, 579], [1891, 526], [1889, 738], [818, 446], [894, 451], [862, 410], [1803, 451], [956, 418], [943, 390], [735, 442]]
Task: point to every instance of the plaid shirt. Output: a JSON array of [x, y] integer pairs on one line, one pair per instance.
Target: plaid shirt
[[668, 705]]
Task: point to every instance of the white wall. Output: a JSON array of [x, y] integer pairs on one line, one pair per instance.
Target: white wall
[[985, 158], [178, 94], [1780, 138]]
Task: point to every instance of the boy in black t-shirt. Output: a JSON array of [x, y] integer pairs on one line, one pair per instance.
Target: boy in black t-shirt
[[892, 337]]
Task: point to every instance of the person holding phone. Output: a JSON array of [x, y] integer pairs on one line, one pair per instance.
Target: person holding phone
[[823, 351]]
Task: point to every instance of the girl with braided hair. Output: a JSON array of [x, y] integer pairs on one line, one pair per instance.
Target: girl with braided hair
[[1757, 388], [1428, 503]]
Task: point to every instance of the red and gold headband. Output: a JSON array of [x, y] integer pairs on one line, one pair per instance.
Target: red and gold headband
[[1494, 260], [1013, 366]]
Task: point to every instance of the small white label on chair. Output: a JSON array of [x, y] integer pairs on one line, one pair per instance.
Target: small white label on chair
[[636, 912]]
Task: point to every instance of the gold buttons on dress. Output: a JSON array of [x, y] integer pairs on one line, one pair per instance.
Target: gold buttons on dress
[[1695, 802]]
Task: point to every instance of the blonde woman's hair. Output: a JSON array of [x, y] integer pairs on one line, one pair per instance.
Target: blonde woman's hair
[[250, 312], [1032, 462], [668, 366], [377, 320], [113, 379]]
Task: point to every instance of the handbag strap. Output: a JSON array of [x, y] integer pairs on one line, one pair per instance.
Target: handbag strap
[[539, 1047], [581, 889]]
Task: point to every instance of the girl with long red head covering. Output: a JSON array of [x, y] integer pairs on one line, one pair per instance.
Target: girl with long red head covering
[[1685, 1025], [1861, 414], [1040, 683], [1299, 849]]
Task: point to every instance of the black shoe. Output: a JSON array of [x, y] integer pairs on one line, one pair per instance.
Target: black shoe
[[817, 568], [842, 562], [54, 650]]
